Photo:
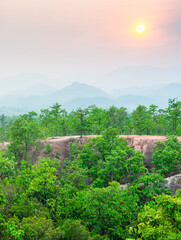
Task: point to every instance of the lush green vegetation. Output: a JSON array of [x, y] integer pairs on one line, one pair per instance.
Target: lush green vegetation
[[81, 198], [56, 121]]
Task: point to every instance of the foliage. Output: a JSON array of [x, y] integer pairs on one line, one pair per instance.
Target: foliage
[[56, 121], [109, 158], [106, 211], [39, 229], [7, 166], [161, 220], [48, 148], [149, 185], [174, 113], [80, 197], [23, 135], [74, 230], [167, 155]]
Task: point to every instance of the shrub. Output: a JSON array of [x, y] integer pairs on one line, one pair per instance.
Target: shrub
[[48, 148]]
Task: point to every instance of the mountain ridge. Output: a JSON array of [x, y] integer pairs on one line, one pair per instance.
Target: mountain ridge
[[83, 95]]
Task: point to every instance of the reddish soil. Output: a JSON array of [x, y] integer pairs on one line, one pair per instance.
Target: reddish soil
[[144, 144]]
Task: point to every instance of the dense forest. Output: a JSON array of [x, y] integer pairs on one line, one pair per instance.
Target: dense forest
[[55, 121], [81, 197]]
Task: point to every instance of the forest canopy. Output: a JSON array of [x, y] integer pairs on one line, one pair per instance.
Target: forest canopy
[[55, 121], [81, 197]]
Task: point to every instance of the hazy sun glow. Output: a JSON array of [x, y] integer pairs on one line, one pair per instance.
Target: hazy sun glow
[[140, 28]]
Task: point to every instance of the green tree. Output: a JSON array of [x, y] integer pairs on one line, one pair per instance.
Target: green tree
[[44, 184], [106, 211], [8, 230], [74, 230], [54, 120], [117, 118], [97, 118], [109, 158], [30, 116], [140, 117], [2, 126], [23, 135], [174, 113], [167, 155], [40, 229], [162, 220], [7, 166], [80, 121], [149, 185]]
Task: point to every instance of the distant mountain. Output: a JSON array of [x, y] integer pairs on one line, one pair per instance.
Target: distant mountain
[[128, 101], [14, 111], [136, 91], [86, 102], [141, 76], [36, 90], [70, 93], [22, 81], [171, 90], [77, 90], [124, 77], [82, 95], [131, 100]]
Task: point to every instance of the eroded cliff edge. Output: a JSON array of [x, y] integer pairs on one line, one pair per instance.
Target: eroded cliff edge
[[145, 144], [141, 143]]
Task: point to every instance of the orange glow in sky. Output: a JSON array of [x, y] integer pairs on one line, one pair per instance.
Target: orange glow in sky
[[93, 35]]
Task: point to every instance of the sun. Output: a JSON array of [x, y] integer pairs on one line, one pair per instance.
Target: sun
[[140, 28]]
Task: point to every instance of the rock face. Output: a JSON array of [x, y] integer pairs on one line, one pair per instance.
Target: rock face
[[62, 145], [3, 146], [144, 144], [173, 183]]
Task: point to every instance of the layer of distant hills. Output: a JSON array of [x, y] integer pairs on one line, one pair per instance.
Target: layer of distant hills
[[101, 92], [82, 95]]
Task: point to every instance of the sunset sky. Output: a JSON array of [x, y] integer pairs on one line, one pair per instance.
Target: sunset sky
[[62, 37]]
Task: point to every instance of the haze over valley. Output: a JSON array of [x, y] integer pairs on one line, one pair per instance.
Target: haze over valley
[[117, 88], [127, 51]]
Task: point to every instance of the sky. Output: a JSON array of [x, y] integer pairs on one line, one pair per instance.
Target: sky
[[58, 38]]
